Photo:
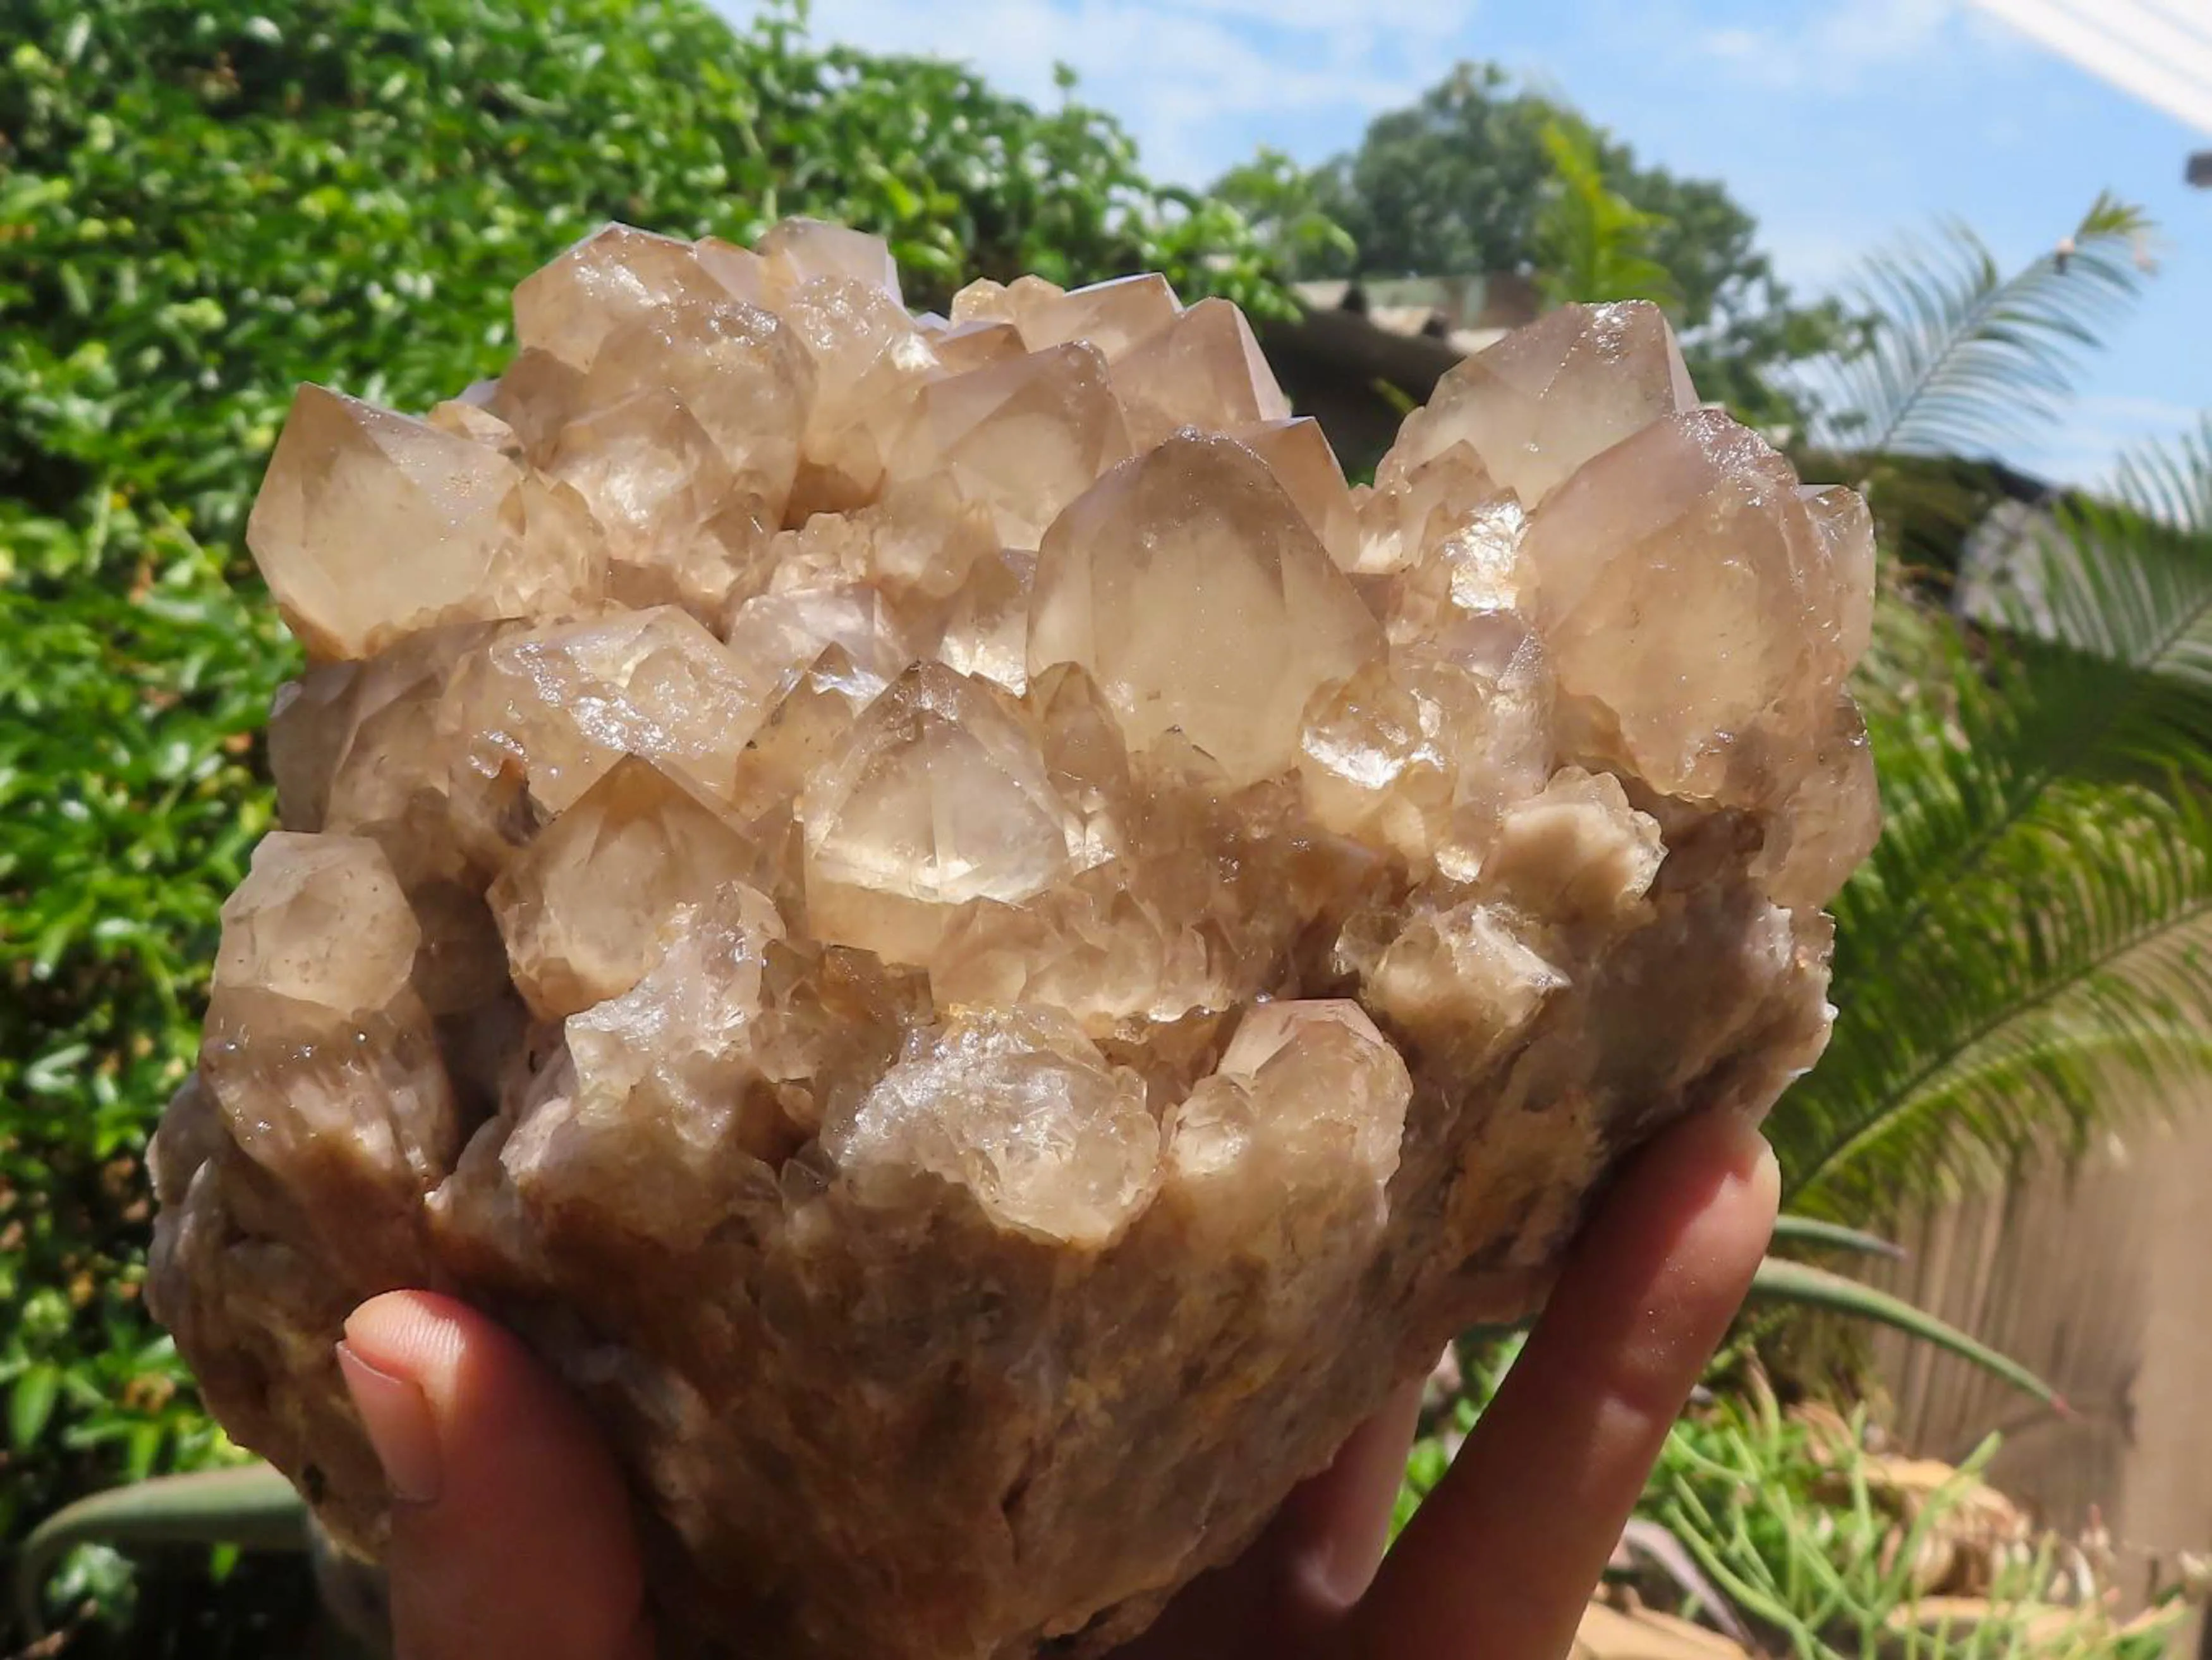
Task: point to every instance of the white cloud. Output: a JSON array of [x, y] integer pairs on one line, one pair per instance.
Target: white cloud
[[1835, 49], [1178, 73]]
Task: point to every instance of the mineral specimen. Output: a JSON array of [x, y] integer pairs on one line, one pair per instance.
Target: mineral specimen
[[976, 951]]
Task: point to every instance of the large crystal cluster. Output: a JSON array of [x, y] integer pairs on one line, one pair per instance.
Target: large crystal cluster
[[973, 948]]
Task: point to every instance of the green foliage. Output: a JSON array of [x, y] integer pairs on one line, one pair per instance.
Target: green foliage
[[127, 806], [251, 1507], [1783, 1283], [203, 202], [1461, 183], [1803, 1285], [1787, 1522], [1277, 198], [2028, 955], [1811, 1233], [1957, 353], [1593, 243], [2036, 923]]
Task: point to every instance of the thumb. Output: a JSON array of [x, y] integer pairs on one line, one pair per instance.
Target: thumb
[[511, 1530]]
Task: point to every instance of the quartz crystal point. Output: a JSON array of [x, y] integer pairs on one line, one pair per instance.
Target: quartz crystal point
[[1189, 585], [613, 276], [373, 525], [977, 952], [1542, 401], [1022, 439], [1203, 370]]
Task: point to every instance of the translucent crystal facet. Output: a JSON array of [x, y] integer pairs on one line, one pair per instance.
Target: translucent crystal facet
[[532, 720], [801, 251], [1294, 1136], [371, 526], [1190, 586], [1018, 1110], [741, 371], [615, 276], [655, 1112], [973, 947], [1205, 370], [870, 361], [1546, 398], [655, 482], [591, 904], [942, 796], [1297, 453], [1697, 515], [1115, 317], [319, 1052], [1022, 439]]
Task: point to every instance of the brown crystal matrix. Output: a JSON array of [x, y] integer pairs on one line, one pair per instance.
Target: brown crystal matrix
[[975, 950]]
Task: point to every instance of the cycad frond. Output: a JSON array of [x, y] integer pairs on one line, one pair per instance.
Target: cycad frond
[[2036, 923], [2170, 484], [1958, 353], [2106, 672], [2081, 955]]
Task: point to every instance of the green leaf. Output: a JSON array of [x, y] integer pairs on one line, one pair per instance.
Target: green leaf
[[1802, 1284], [1814, 1233], [31, 1404], [253, 1507]]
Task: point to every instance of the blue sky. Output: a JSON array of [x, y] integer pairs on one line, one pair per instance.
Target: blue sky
[[1841, 123]]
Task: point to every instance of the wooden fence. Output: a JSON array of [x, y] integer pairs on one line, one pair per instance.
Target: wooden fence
[[2102, 1282]]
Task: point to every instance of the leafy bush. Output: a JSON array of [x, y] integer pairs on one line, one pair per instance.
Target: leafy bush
[[203, 202]]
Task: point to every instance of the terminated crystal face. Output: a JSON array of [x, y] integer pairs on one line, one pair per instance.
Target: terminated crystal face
[[975, 950]]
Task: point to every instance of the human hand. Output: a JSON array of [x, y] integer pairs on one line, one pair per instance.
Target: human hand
[[513, 1536]]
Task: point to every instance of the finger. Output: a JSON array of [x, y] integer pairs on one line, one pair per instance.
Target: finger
[[510, 1525], [1502, 1558], [1313, 1561], [1334, 1528]]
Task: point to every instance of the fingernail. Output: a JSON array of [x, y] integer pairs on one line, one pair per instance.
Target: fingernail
[[396, 1416], [1762, 1169], [1753, 1153], [1763, 1177]]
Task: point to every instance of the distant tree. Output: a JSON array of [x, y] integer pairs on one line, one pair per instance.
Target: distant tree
[[1465, 182], [1288, 209]]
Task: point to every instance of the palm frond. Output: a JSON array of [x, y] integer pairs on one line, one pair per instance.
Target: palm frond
[[1959, 353], [2035, 925], [2170, 484]]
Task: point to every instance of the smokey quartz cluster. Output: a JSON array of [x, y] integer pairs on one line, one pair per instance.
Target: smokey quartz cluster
[[978, 951]]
